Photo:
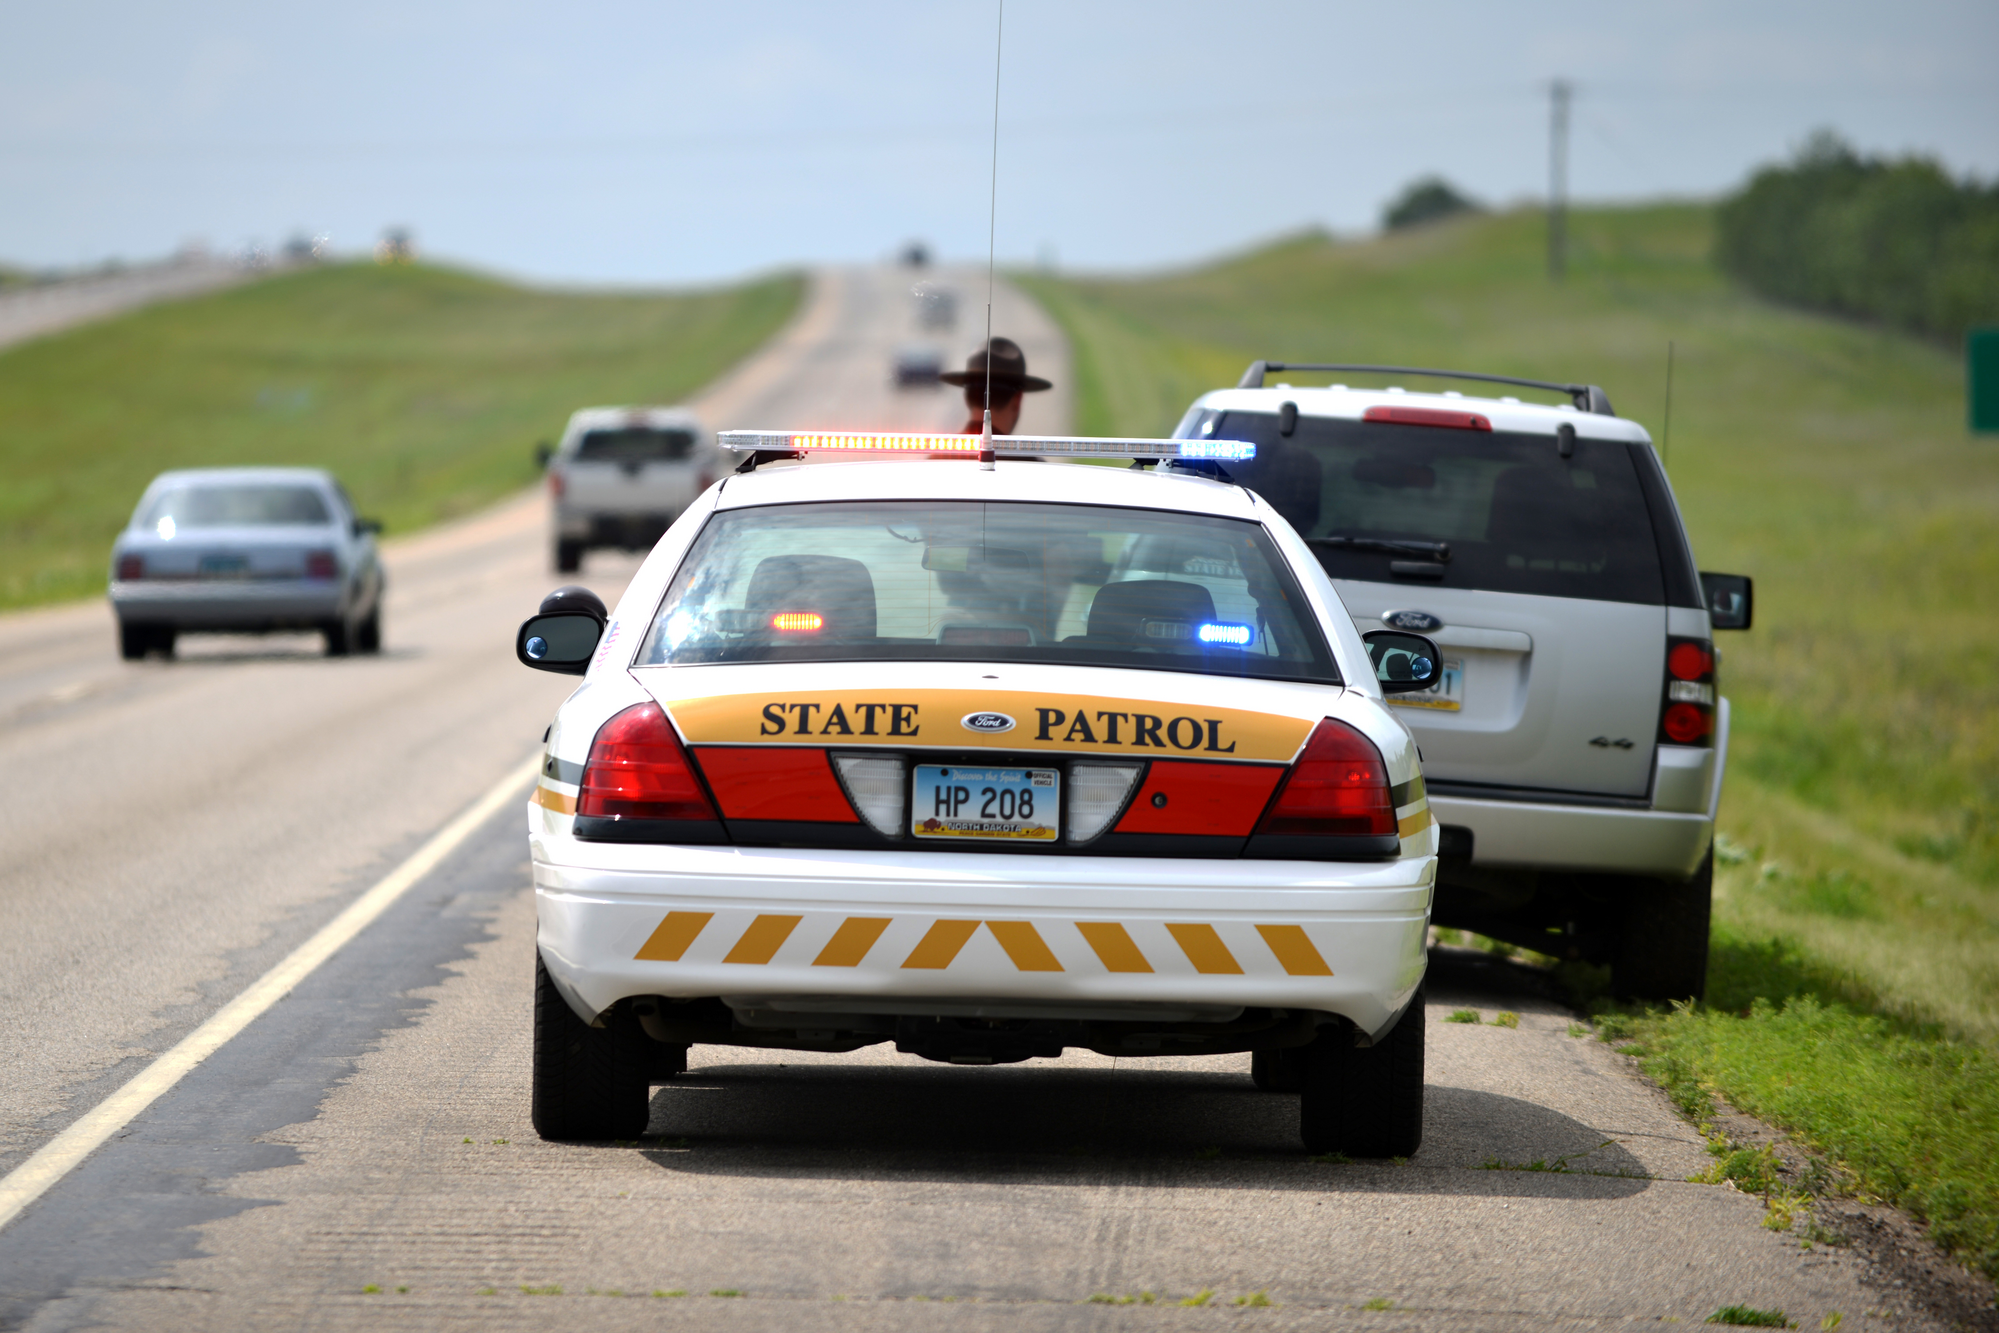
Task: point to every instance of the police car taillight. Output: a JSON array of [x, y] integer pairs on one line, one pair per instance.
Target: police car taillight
[[1338, 788], [638, 770], [1688, 717]]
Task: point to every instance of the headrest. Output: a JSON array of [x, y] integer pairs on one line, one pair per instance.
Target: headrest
[[1119, 610]]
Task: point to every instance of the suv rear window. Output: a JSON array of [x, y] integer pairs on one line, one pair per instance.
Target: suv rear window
[[634, 444], [1002, 582], [1512, 515]]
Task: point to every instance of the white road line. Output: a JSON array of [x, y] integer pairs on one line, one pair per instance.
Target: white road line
[[62, 1154]]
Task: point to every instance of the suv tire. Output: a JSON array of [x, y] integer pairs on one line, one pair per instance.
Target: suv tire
[[568, 556], [1663, 940], [1364, 1101], [589, 1083]]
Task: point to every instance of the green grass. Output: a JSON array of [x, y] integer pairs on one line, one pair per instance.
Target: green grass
[[1857, 888], [423, 389]]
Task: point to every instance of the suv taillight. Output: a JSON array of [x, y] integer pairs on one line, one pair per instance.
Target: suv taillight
[[555, 484], [1337, 789], [638, 770], [1688, 718], [321, 565], [131, 567]]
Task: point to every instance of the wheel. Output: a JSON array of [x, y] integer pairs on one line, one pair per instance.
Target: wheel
[[134, 641], [1364, 1101], [338, 638], [1662, 942], [589, 1083], [1278, 1069], [568, 556], [368, 634], [163, 640]]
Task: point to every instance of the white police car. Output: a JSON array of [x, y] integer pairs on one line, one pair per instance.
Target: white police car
[[986, 759]]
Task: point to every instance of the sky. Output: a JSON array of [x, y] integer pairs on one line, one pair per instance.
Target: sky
[[657, 142]]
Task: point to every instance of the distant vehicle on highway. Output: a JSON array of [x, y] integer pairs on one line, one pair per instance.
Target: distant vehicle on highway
[[917, 367], [621, 475], [987, 762], [936, 307], [246, 551], [1575, 744]]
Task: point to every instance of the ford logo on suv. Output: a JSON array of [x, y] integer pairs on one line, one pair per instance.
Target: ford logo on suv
[[986, 722], [1421, 622]]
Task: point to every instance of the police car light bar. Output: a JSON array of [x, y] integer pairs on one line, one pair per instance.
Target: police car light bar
[[967, 446]]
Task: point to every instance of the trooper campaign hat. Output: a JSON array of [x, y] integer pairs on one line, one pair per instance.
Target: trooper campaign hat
[[1008, 369]]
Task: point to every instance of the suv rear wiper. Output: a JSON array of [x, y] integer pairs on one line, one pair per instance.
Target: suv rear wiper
[[1437, 551]]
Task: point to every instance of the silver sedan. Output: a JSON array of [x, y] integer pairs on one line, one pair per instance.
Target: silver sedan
[[246, 551]]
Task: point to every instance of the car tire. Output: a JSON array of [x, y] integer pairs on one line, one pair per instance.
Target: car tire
[[568, 557], [368, 634], [1364, 1101], [134, 641], [589, 1083], [1278, 1068], [1662, 942], [339, 639]]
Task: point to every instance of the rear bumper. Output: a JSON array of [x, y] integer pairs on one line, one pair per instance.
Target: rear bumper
[[890, 932], [1521, 834], [216, 605]]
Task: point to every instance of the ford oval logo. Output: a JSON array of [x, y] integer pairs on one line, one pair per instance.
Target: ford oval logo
[[986, 722], [1421, 622]]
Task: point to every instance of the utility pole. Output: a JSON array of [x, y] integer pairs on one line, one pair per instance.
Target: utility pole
[[1558, 178]]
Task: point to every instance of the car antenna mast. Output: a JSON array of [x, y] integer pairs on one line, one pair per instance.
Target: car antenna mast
[[992, 232]]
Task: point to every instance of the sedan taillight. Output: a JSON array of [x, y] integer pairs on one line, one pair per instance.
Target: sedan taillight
[[321, 565], [1337, 789], [131, 567], [638, 770], [1688, 718]]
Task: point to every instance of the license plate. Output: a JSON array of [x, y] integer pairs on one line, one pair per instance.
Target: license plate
[[225, 567], [1008, 804], [1448, 693]]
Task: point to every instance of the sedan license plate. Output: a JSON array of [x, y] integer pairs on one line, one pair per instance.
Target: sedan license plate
[[1007, 804], [1448, 694], [225, 567]]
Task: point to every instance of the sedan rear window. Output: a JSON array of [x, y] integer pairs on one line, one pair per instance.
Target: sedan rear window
[[1007, 582], [1438, 506], [634, 444], [243, 506]]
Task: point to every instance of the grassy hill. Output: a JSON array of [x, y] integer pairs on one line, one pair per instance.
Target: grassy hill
[[1859, 867], [423, 389]]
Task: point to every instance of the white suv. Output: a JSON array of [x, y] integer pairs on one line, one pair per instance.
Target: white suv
[[1574, 747], [621, 475]]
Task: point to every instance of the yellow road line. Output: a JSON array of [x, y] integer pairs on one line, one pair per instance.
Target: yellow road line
[[62, 1154]]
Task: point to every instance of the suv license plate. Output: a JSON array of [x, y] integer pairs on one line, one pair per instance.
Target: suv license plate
[[1006, 804], [1449, 694]]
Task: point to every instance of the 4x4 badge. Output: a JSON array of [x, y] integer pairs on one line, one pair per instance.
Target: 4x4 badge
[[987, 722], [1420, 621]]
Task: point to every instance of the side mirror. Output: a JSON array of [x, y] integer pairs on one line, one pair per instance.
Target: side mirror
[[542, 453], [1731, 599], [563, 635], [1403, 662], [367, 525]]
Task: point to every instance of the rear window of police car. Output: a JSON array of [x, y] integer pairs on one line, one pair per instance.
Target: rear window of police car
[[988, 582], [1516, 516], [634, 444]]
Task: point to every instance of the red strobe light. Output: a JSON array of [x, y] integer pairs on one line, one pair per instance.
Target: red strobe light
[[1337, 789], [637, 770]]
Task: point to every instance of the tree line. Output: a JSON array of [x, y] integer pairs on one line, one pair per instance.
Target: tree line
[[1897, 241]]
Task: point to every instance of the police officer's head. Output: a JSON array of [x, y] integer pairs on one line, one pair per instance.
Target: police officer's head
[[1005, 365]]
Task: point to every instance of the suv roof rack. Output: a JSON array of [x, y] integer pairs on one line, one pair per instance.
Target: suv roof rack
[[1588, 397]]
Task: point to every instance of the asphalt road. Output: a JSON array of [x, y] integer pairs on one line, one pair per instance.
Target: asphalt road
[[360, 1157], [32, 312]]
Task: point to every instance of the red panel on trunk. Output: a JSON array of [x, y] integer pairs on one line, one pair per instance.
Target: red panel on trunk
[[788, 783], [1219, 800]]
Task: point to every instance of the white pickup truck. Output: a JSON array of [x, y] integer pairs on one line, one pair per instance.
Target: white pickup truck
[[621, 475]]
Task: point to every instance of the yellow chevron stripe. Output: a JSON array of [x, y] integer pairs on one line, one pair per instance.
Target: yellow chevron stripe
[[672, 936], [1410, 825], [765, 936], [1114, 946], [1023, 944], [1204, 948], [553, 800], [851, 942], [1294, 949], [940, 944]]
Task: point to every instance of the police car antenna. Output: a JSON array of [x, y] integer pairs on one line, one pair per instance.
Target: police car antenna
[[992, 232]]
